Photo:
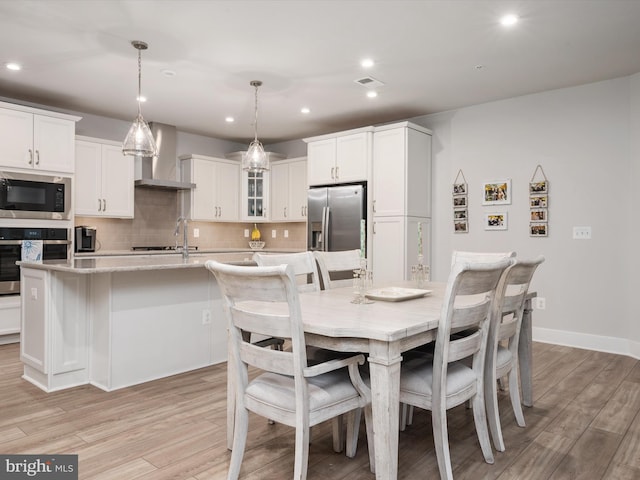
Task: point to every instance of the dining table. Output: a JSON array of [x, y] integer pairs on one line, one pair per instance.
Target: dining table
[[382, 329]]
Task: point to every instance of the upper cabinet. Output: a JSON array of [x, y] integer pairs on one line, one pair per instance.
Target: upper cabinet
[[339, 158], [36, 140], [104, 179], [289, 190], [254, 196], [215, 197], [402, 170]]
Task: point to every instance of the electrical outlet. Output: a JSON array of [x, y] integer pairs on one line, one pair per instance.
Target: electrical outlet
[[206, 317], [246, 233], [582, 233], [196, 232], [286, 234], [273, 234], [540, 303]]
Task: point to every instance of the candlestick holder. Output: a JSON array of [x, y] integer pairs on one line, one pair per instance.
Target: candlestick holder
[[362, 281], [420, 273]]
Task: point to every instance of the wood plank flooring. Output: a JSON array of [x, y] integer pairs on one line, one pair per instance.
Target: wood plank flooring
[[584, 425]]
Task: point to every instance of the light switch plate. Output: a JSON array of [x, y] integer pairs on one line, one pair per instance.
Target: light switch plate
[[582, 233], [196, 232], [246, 233], [286, 234], [273, 234]]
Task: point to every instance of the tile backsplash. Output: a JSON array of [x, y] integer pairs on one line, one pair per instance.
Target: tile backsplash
[[154, 223]]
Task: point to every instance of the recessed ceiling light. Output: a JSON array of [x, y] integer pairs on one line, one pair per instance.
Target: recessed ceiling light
[[305, 110], [229, 119], [367, 63], [168, 73], [479, 67], [509, 20], [141, 98], [13, 66], [372, 94]]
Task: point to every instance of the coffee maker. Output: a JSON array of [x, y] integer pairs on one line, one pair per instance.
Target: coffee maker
[[85, 239]]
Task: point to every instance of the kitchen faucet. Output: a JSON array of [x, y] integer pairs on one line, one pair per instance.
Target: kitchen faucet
[[185, 236]]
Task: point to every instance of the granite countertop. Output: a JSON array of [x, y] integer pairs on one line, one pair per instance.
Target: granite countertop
[[200, 251], [137, 263]]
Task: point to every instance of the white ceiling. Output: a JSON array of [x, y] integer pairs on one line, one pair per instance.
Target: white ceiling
[[77, 55]]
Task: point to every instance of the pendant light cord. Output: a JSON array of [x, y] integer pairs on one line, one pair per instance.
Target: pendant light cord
[[139, 79], [255, 123]]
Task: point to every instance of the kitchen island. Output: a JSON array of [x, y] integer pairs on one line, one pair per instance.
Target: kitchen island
[[118, 321]]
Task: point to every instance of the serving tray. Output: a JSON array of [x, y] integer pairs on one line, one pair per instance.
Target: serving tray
[[396, 294]]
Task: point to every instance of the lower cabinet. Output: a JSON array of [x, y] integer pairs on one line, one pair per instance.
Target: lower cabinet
[[9, 319], [395, 246]]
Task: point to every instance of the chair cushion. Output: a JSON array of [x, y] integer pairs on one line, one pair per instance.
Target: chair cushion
[[324, 390], [417, 375]]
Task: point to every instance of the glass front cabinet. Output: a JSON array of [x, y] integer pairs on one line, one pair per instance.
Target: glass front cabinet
[[255, 196]]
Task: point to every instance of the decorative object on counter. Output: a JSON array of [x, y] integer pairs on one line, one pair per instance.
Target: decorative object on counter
[[363, 236], [538, 203], [139, 141], [460, 204], [255, 160], [420, 272], [362, 281], [497, 192], [255, 243], [32, 251]]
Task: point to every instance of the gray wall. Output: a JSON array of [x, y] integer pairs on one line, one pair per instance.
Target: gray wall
[[581, 137]]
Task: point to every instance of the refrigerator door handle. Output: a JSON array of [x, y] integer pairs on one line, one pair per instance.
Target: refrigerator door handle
[[325, 229]]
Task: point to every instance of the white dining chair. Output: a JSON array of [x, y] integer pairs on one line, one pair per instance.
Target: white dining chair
[[264, 300], [503, 343], [443, 380], [303, 263], [307, 280], [458, 256], [336, 268]]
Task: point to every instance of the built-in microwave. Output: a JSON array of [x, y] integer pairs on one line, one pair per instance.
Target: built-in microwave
[[25, 195]]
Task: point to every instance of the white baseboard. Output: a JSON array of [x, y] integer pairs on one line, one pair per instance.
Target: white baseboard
[[620, 346]]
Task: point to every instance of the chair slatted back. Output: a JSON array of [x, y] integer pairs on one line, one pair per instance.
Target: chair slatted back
[[304, 267], [479, 257], [469, 297], [262, 300], [332, 263]]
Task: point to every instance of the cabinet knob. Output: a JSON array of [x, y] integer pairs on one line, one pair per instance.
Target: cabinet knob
[[37, 157], [30, 157], [104, 204], [333, 169], [337, 173]]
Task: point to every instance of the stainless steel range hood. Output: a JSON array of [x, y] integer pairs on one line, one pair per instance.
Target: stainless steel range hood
[[161, 172]]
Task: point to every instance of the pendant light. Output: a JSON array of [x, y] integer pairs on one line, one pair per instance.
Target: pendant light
[[139, 141], [255, 160]]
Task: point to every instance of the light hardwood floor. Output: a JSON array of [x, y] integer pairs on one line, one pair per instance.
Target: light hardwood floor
[[584, 425]]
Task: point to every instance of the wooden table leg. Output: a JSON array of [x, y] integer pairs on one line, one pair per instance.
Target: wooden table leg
[[384, 367], [525, 355]]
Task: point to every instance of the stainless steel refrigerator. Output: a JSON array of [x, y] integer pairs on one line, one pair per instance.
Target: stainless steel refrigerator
[[334, 215]]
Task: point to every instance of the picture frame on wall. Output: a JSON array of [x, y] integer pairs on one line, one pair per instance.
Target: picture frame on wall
[[460, 214], [460, 201], [459, 189], [495, 221], [538, 188], [538, 201], [539, 215], [496, 192], [460, 226], [538, 229]]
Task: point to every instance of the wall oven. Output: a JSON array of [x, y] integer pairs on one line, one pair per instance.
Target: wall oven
[[25, 195], [55, 246]]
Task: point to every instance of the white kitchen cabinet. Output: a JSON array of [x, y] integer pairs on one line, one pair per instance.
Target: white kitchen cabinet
[[104, 179], [395, 247], [254, 196], [402, 170], [215, 197], [35, 139], [9, 318], [339, 158], [289, 190], [401, 198]]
